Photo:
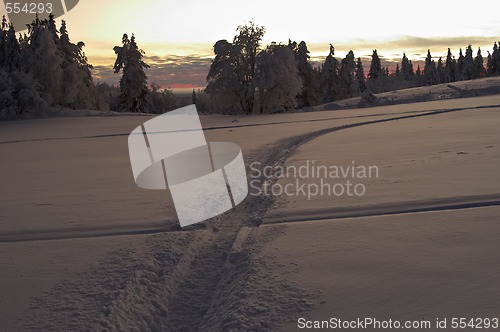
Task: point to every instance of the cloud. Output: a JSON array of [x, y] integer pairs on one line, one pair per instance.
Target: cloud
[[440, 44], [171, 71]]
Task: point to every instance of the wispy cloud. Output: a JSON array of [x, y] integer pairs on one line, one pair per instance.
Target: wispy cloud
[[441, 44], [170, 71]]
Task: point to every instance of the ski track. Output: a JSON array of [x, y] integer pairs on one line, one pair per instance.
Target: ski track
[[418, 112], [199, 279], [398, 208]]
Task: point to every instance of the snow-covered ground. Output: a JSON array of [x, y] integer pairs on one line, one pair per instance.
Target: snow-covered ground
[[409, 267], [84, 248], [445, 159], [461, 89]]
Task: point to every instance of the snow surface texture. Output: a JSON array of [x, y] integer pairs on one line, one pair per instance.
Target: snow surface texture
[[84, 249]]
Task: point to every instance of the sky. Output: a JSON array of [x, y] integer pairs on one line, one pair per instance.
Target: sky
[[178, 36]]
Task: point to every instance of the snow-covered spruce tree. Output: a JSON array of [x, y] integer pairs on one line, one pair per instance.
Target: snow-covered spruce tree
[[347, 80], [440, 72], [459, 68], [430, 72], [3, 38], [360, 76], [397, 71], [469, 70], [133, 83], [50, 23], [489, 64], [77, 87], [38, 68], [449, 68], [277, 79], [310, 94], [11, 51], [418, 76], [375, 67], [479, 64], [43, 61], [18, 91], [494, 62], [496, 58], [330, 77], [407, 68]]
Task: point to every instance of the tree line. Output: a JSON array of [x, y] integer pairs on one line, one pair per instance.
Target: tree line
[[246, 78], [43, 68]]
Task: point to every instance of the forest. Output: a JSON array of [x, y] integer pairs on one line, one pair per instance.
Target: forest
[[43, 70]]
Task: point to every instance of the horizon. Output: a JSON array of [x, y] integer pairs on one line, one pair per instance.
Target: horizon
[[180, 52]]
